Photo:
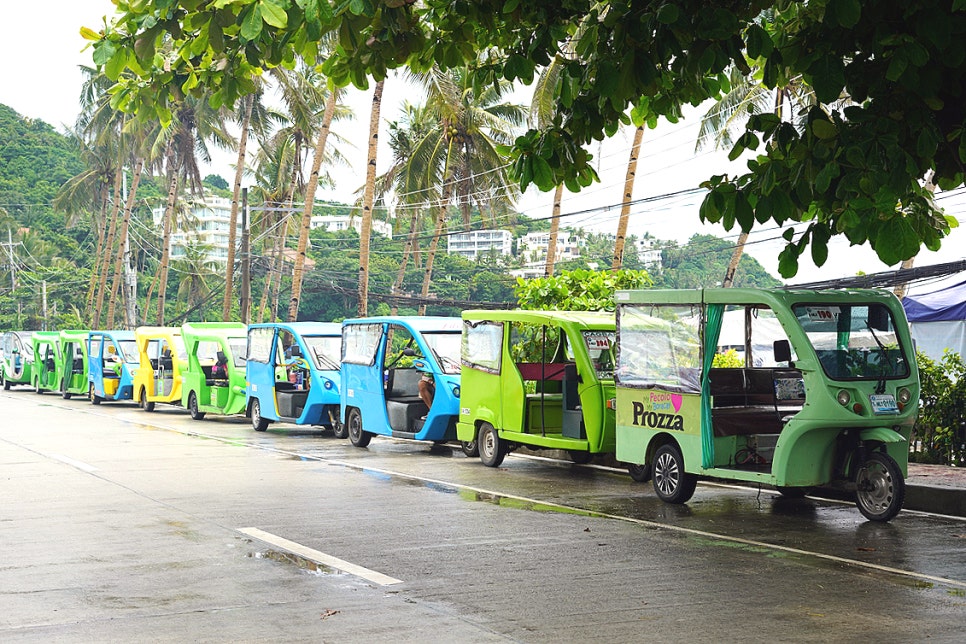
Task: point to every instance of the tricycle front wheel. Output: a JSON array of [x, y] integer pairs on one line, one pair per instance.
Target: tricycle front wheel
[[879, 487]]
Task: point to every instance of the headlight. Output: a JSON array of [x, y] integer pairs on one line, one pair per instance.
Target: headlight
[[327, 383], [456, 391], [904, 395], [843, 397]]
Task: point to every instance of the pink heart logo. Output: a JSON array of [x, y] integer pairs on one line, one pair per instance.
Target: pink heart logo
[[676, 400]]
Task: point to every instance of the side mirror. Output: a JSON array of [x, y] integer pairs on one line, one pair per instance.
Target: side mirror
[[295, 351], [408, 351], [783, 351]]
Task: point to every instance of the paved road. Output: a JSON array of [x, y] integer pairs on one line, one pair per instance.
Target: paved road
[[118, 525]]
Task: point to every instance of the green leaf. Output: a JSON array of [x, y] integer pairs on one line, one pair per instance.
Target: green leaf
[[847, 12], [788, 261], [823, 129], [252, 24], [273, 14], [668, 14], [116, 64], [757, 42], [819, 246], [827, 76], [895, 240]]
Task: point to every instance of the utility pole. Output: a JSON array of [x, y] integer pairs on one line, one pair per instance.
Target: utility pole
[[13, 265], [43, 305], [246, 262], [130, 287]]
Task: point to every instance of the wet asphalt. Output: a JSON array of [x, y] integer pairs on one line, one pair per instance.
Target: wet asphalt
[[119, 525]]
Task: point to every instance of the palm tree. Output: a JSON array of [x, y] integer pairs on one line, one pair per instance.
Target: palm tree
[[194, 123], [458, 157], [626, 201], [196, 271], [329, 114], [254, 118], [727, 116], [407, 186], [368, 197]]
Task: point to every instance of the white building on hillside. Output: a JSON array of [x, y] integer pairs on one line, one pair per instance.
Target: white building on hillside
[[210, 221], [474, 243], [532, 247], [647, 253], [335, 223]]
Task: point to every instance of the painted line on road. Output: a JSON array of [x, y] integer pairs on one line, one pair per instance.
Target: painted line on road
[[642, 522], [321, 557], [84, 467]]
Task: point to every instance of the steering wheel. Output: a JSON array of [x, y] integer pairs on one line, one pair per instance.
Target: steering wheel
[[299, 362]]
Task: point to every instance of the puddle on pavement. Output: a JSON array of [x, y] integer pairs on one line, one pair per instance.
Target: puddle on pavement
[[307, 565], [522, 504]]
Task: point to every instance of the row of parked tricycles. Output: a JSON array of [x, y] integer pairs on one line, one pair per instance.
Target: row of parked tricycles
[[789, 388]]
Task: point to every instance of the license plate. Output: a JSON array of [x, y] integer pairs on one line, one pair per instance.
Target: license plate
[[883, 404]]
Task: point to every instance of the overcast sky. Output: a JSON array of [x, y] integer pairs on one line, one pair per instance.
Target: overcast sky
[[41, 48]]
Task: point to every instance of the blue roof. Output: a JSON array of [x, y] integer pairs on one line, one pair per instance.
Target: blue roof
[[945, 304], [421, 323], [304, 328]]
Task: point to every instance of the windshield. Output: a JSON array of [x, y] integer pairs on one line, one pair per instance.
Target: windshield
[[237, 346], [854, 342], [129, 349], [446, 350], [324, 350], [600, 347]]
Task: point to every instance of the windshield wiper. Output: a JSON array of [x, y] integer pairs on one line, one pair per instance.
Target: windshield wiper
[[881, 385]]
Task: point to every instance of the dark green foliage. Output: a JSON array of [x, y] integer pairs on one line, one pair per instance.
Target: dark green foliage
[[702, 263], [940, 432]]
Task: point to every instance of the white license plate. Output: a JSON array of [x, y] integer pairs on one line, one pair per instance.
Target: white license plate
[[883, 404]]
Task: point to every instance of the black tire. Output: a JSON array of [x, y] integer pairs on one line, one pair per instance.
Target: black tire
[[470, 448], [146, 405], [357, 436], [491, 447], [94, 398], [196, 414], [6, 385], [640, 473], [339, 430], [259, 424], [879, 487], [580, 457], [793, 492], [38, 390], [671, 483], [63, 391]]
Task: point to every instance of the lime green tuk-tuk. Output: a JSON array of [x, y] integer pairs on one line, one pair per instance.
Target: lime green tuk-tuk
[[822, 389], [72, 363], [213, 379], [541, 379], [46, 345]]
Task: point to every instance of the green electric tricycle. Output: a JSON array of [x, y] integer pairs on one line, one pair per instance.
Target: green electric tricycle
[[46, 346], [213, 378], [72, 363], [540, 379], [823, 392]]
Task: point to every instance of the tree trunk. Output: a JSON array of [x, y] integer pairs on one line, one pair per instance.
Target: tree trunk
[[437, 233], [233, 219], [729, 278], [293, 307], [407, 250], [119, 257], [554, 229], [368, 198], [628, 195], [101, 225], [108, 248], [166, 238]]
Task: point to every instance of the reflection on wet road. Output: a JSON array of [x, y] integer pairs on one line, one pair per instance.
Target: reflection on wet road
[[923, 549]]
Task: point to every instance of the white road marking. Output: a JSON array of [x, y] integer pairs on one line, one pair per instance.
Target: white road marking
[[84, 467], [321, 557]]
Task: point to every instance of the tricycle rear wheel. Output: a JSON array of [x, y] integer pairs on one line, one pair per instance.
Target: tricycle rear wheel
[[879, 487]]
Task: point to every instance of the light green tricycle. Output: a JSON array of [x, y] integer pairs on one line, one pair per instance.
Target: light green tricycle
[[789, 388]]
